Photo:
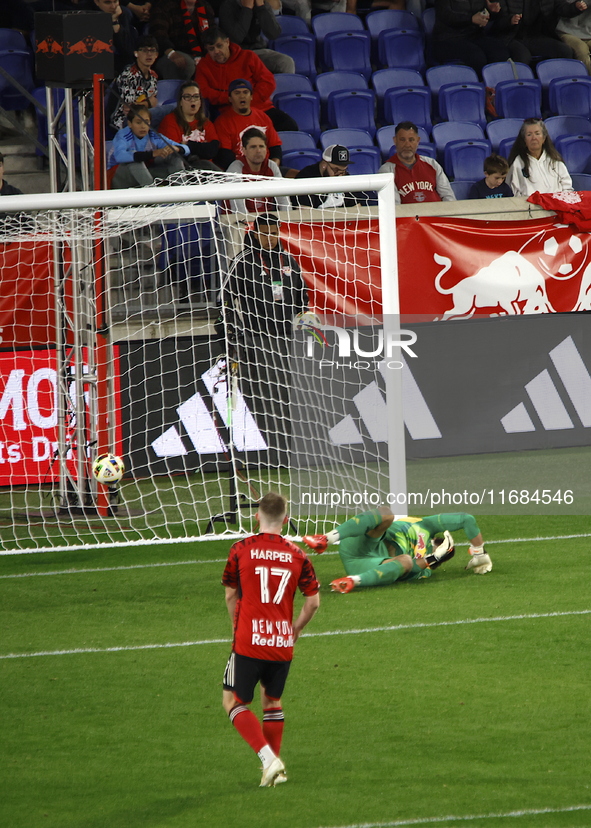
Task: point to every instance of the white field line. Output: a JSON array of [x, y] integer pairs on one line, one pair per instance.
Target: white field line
[[202, 539], [223, 560], [398, 823], [328, 633]]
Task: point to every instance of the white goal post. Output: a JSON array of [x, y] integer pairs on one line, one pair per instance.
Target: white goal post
[[138, 301]]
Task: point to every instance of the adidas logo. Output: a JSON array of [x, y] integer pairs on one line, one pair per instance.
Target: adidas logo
[[545, 396], [371, 405], [200, 425]]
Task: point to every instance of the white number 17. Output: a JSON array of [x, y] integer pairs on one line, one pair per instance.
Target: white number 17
[[263, 573]]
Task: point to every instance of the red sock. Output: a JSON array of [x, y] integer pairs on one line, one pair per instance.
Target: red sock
[[273, 722], [248, 726]]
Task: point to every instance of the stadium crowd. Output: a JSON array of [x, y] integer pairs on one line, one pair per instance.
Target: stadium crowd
[[436, 95]]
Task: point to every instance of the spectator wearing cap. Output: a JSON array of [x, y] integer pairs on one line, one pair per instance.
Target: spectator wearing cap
[[417, 178], [226, 62], [246, 22], [237, 118], [5, 187], [255, 161], [335, 162]]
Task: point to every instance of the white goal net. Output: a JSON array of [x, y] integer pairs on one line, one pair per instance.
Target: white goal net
[[220, 353]]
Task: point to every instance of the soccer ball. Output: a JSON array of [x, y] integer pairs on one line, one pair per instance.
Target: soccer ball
[[108, 469]]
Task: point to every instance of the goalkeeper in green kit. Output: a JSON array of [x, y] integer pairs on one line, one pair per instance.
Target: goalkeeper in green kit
[[377, 550]]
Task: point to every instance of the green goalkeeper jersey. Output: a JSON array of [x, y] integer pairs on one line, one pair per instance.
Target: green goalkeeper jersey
[[412, 536]]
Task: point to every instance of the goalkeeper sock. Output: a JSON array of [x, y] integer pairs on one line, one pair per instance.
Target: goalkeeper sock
[[273, 722], [249, 727], [358, 526], [385, 573]]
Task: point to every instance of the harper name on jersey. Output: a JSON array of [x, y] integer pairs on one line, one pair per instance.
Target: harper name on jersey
[[270, 555]]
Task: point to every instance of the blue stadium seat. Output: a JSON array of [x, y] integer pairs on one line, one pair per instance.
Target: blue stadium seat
[[292, 140], [503, 128], [385, 79], [428, 149], [329, 82], [379, 21], [304, 108], [548, 70], [505, 147], [298, 159], [570, 96], [385, 140], [408, 104], [463, 102], [346, 137], [168, 91], [581, 181], [188, 255], [18, 64], [576, 152], [285, 82], [292, 25], [348, 51], [448, 131], [438, 76], [494, 73], [353, 110], [559, 125], [302, 48], [366, 160], [519, 99], [429, 21], [325, 24], [401, 47], [465, 159], [461, 188], [11, 39]]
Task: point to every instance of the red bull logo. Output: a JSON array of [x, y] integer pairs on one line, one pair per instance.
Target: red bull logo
[[89, 47], [49, 47], [420, 546]]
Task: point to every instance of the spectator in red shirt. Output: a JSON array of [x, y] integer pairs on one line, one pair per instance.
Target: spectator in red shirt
[[188, 124], [417, 178], [225, 62], [261, 577], [239, 117]]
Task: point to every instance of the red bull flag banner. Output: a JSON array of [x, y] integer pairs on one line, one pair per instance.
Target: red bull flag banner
[[450, 268]]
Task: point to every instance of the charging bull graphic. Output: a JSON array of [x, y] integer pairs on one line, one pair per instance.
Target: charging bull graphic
[[509, 282], [512, 285], [50, 47], [89, 47]]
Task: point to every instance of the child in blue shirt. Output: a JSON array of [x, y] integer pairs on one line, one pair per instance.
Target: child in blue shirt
[[493, 184], [139, 154]]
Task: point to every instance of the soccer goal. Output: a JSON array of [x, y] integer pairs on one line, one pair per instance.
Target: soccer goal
[[220, 355]]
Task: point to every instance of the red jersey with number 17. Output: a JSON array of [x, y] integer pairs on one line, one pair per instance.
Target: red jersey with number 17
[[266, 570]]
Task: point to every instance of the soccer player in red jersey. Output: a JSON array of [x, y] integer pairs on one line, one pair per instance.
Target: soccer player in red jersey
[[261, 577]]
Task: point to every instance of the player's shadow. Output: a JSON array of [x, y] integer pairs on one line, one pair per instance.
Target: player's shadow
[[147, 814]]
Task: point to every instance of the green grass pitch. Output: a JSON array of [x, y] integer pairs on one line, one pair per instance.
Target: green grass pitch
[[404, 718]]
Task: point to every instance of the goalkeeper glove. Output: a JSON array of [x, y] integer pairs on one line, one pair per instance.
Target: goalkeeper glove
[[479, 561]]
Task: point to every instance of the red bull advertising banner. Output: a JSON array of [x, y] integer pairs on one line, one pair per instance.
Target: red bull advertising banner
[[448, 268], [28, 418], [27, 303]]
